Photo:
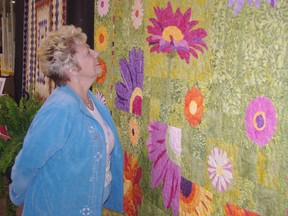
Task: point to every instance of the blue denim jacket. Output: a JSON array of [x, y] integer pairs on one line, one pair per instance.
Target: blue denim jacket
[[61, 167]]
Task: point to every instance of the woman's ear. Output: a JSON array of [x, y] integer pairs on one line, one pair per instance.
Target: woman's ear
[[72, 74]]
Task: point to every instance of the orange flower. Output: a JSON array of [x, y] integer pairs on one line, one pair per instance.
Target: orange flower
[[132, 190], [194, 106], [194, 200], [231, 209], [101, 77]]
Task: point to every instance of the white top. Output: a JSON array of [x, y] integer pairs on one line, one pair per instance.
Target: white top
[[109, 137]]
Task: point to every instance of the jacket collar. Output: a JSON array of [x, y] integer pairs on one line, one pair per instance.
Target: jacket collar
[[67, 89]]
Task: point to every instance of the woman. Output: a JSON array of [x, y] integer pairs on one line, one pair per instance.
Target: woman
[[71, 161]]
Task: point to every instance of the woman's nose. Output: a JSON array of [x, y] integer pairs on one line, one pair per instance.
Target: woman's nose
[[94, 53]]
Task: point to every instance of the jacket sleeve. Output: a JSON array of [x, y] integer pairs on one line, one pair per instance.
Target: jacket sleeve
[[47, 134]]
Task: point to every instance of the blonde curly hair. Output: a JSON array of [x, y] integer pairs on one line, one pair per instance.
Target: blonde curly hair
[[56, 53]]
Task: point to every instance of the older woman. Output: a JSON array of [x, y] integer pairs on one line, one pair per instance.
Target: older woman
[[71, 161]]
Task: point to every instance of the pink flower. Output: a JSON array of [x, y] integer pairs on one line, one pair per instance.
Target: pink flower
[[164, 170], [100, 97], [137, 14], [173, 32], [260, 120], [103, 7]]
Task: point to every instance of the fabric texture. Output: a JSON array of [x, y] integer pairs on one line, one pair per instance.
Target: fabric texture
[[109, 143], [61, 167]]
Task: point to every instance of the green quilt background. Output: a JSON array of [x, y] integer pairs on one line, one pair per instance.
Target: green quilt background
[[247, 57]]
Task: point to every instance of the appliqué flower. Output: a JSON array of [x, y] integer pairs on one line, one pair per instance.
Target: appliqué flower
[[101, 38], [101, 77], [193, 106], [132, 189], [85, 211], [239, 4], [260, 120], [129, 93], [137, 13], [163, 170], [172, 32], [134, 131], [219, 169], [194, 200], [231, 210], [101, 97], [103, 7]]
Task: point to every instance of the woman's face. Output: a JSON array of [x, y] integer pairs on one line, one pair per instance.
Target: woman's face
[[88, 61]]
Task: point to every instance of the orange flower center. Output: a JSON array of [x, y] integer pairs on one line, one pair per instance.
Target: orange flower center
[[172, 32], [137, 13], [193, 107]]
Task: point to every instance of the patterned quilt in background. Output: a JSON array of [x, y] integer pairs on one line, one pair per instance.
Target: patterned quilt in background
[[40, 17], [198, 90]]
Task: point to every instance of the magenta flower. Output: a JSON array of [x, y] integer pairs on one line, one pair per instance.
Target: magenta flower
[[129, 93], [260, 120], [240, 4], [172, 32], [164, 170]]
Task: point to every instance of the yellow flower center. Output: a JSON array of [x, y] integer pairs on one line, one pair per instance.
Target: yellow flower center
[[127, 185], [219, 169], [193, 107], [174, 32]]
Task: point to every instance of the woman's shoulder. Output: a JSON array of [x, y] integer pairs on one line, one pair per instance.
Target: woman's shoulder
[[62, 100]]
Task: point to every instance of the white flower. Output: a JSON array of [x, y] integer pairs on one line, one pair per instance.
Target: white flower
[[85, 211], [103, 7], [101, 97], [219, 169], [137, 13]]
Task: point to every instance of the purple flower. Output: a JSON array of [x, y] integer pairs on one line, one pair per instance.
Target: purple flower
[[260, 120], [129, 93], [164, 170], [239, 4]]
